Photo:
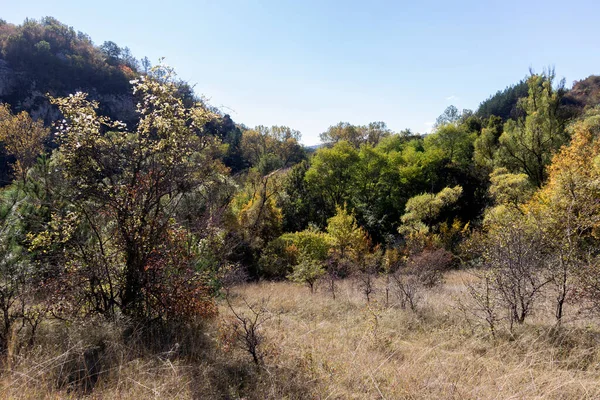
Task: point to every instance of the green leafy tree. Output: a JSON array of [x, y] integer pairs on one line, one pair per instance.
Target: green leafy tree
[[377, 192], [371, 134], [258, 214], [271, 148], [450, 115], [332, 172], [504, 104], [310, 242], [300, 204], [308, 271], [22, 304], [528, 144], [486, 144], [454, 141]]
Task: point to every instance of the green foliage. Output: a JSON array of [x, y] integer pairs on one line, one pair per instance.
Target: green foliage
[[308, 271], [454, 141], [277, 259], [271, 148], [310, 242], [223, 127], [566, 210], [281, 254], [507, 188], [451, 115], [347, 238], [268, 163], [486, 144], [258, 215], [527, 145], [61, 60], [422, 210], [371, 134], [504, 103], [23, 138], [332, 172], [299, 204]]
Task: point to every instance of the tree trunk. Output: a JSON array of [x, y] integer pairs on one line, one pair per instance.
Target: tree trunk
[[132, 293]]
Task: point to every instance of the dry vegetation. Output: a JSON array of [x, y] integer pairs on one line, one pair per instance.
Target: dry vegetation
[[316, 347]]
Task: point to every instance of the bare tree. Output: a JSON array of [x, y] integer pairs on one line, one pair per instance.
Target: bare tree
[[366, 273], [422, 270], [244, 329], [484, 301], [514, 253]]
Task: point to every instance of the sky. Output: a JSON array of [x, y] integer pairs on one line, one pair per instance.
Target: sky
[[311, 64]]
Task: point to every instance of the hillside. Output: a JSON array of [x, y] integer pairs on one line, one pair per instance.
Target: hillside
[[43, 57]]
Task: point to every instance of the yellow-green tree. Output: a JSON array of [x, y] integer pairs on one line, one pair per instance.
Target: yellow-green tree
[[23, 138], [348, 239], [258, 214], [422, 210]]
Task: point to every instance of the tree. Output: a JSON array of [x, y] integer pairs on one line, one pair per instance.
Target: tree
[[299, 204], [421, 270], [332, 172], [450, 115], [271, 148], [509, 189], [349, 247], [485, 145], [375, 132], [310, 242], [376, 192], [366, 271], [121, 195], [371, 134], [243, 329], [343, 131], [455, 142], [527, 145], [513, 250], [422, 210], [111, 51], [146, 64], [307, 271], [129, 60], [347, 238], [21, 296], [23, 138], [256, 208], [504, 104], [568, 213]]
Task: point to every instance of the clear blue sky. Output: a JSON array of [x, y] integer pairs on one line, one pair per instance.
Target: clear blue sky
[[310, 64]]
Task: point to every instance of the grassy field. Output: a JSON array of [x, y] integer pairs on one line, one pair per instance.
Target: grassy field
[[316, 347]]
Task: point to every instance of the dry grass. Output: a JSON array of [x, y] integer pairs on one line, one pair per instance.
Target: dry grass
[[317, 347], [353, 350]]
